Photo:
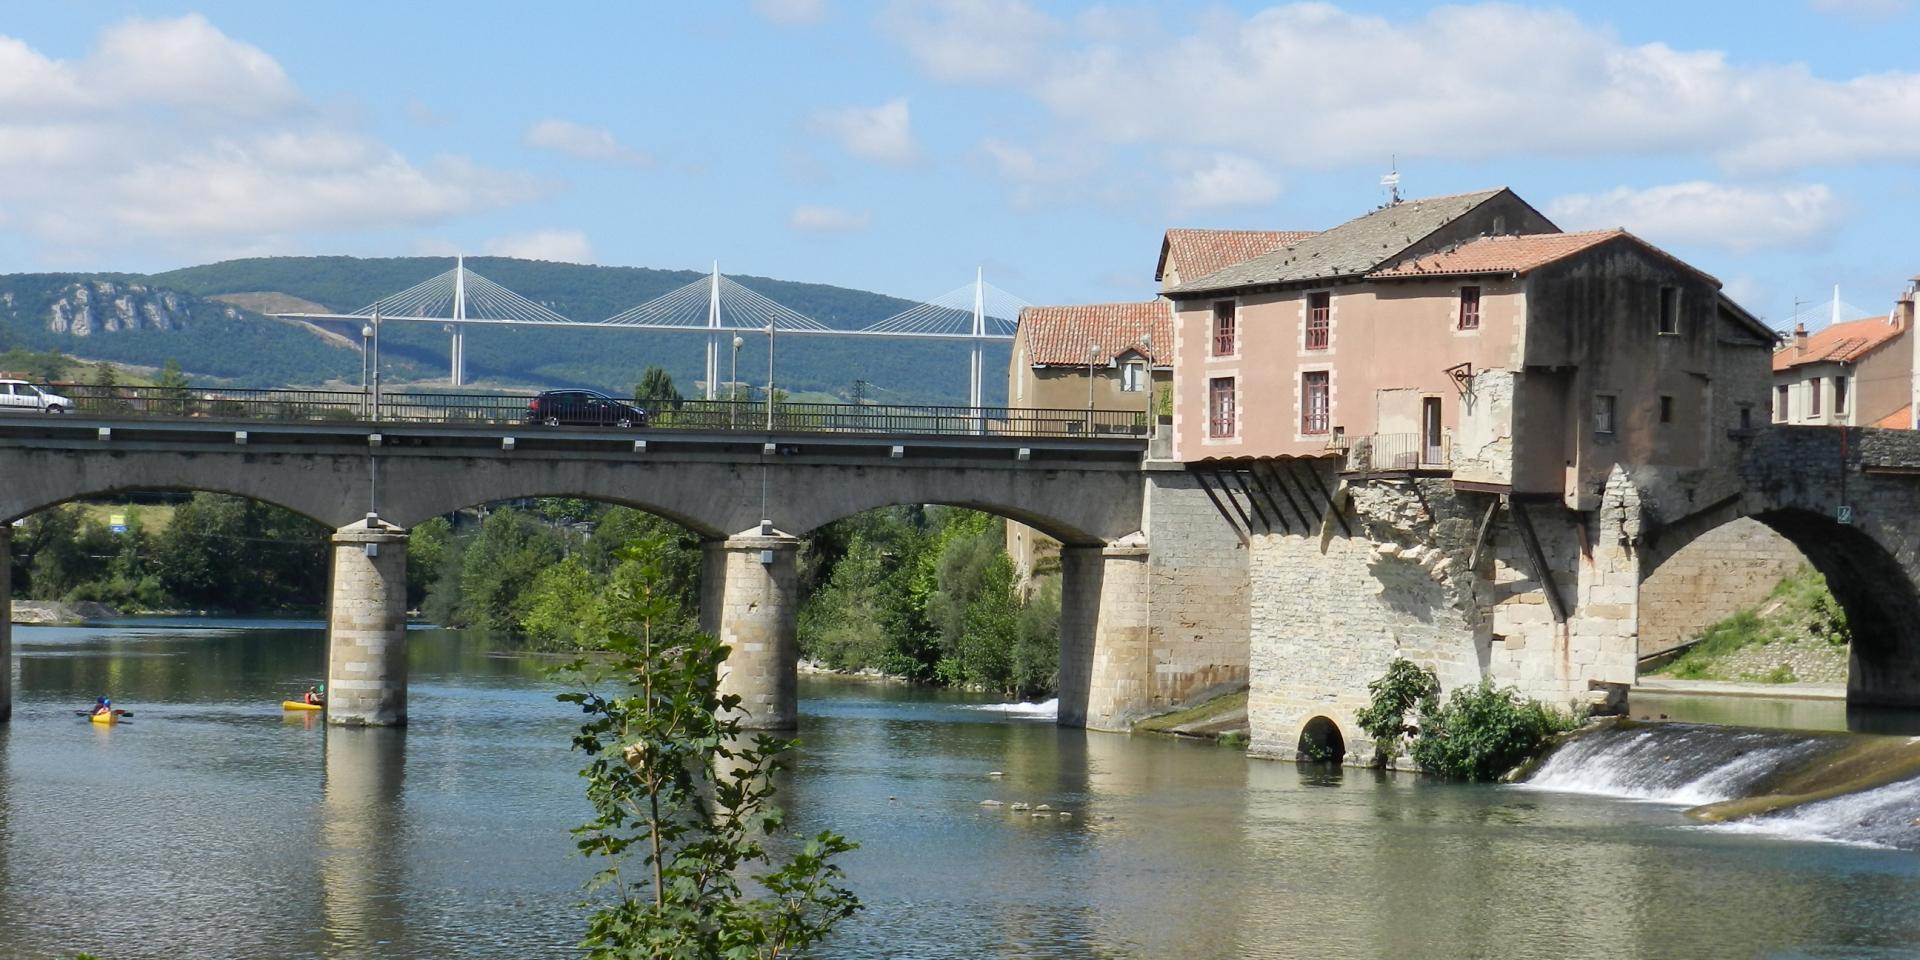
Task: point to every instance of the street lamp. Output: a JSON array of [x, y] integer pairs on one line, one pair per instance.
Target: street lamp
[[1093, 353], [769, 376], [733, 381], [366, 353], [376, 365]]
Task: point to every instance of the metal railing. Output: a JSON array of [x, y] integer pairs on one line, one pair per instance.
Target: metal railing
[[1395, 451], [691, 415]]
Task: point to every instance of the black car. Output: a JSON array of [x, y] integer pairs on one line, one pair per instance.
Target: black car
[[590, 407]]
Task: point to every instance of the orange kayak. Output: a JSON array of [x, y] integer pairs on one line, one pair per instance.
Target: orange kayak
[[299, 705]]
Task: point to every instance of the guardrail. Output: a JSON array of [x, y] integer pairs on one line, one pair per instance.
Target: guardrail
[[692, 415], [1387, 452]]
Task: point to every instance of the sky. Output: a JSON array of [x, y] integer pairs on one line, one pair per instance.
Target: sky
[[899, 145]]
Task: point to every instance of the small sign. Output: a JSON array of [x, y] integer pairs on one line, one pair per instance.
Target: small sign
[[1845, 515], [117, 522]]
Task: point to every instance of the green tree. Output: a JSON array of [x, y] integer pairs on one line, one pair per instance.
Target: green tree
[[500, 564], [683, 805], [656, 386], [103, 375], [171, 377], [428, 544]]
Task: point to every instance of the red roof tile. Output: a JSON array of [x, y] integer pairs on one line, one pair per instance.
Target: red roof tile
[[1059, 335], [1837, 343], [1199, 252], [1901, 419], [1499, 254]]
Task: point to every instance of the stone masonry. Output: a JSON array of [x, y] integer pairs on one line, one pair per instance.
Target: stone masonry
[[1103, 636], [1329, 612], [1198, 594], [367, 627], [1723, 571], [753, 609], [6, 623]]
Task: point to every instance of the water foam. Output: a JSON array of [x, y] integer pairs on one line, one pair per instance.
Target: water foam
[[1044, 710], [1884, 817], [1686, 764]]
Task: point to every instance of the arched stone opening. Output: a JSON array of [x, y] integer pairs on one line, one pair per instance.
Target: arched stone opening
[[1877, 592], [1725, 569], [1321, 742]]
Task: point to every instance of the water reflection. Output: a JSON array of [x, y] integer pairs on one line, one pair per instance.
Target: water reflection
[[1783, 713], [363, 823]]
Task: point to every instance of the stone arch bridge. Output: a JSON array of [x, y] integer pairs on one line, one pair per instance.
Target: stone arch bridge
[[752, 497]]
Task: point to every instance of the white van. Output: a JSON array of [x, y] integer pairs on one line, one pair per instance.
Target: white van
[[21, 395]]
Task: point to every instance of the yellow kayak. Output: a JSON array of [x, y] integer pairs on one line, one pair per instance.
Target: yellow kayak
[[298, 705], [107, 719]]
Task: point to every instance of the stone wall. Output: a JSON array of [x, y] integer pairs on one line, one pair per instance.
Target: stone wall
[[1198, 584], [1725, 570], [1404, 579], [367, 628]]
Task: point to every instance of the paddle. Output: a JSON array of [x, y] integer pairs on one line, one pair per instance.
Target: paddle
[[123, 714]]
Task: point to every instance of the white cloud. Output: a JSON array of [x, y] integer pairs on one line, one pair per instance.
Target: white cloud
[[565, 246], [1312, 85], [883, 133], [1223, 180], [171, 136], [1861, 9], [792, 12], [1741, 219], [808, 219], [972, 40], [582, 142]]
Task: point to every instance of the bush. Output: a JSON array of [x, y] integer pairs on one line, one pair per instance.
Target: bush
[[1483, 732], [1403, 687]]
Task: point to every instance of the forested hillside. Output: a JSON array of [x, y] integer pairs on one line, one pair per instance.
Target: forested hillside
[[146, 320]]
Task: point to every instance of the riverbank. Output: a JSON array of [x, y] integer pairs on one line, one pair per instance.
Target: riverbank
[[55, 613]]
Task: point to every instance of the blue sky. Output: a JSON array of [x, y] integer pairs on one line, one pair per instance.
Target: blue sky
[[895, 146]]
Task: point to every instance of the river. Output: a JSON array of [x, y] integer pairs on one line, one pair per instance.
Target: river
[[212, 826]]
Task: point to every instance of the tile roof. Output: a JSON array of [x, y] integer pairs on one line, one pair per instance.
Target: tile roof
[[1059, 335], [1499, 254], [1197, 252], [1838, 343], [1348, 250], [1901, 419]]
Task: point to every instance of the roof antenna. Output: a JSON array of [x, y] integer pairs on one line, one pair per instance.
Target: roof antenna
[[1392, 181]]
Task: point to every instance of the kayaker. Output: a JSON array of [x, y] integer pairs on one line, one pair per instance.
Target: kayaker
[[102, 705], [313, 698]]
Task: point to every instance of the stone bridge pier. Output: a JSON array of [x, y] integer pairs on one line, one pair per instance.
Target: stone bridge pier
[[750, 600], [6, 623], [367, 626]]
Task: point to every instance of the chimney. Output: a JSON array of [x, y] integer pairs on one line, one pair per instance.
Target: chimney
[[1903, 308], [1799, 339]]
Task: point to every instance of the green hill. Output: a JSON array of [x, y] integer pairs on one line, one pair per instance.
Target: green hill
[[145, 320]]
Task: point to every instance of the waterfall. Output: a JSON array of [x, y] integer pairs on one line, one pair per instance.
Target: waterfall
[[1881, 817], [1680, 763]]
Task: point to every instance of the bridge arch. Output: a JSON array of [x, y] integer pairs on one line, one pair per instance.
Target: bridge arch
[[1867, 575], [320, 491]]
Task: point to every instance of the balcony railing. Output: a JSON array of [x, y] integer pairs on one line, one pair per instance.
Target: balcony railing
[[692, 415], [1390, 452]]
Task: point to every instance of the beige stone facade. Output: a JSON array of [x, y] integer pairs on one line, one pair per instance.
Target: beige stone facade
[[1725, 570], [752, 606], [367, 628]]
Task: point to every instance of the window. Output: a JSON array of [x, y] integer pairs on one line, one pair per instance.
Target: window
[[1314, 401], [1669, 309], [1839, 396], [1814, 387], [1319, 319], [1223, 329], [1220, 407], [1603, 421], [1746, 417], [1469, 308], [1133, 376], [1666, 409], [1780, 409]]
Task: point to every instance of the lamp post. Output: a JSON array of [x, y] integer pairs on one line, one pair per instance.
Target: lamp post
[[1093, 351], [366, 354], [376, 366], [769, 376], [733, 380]]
